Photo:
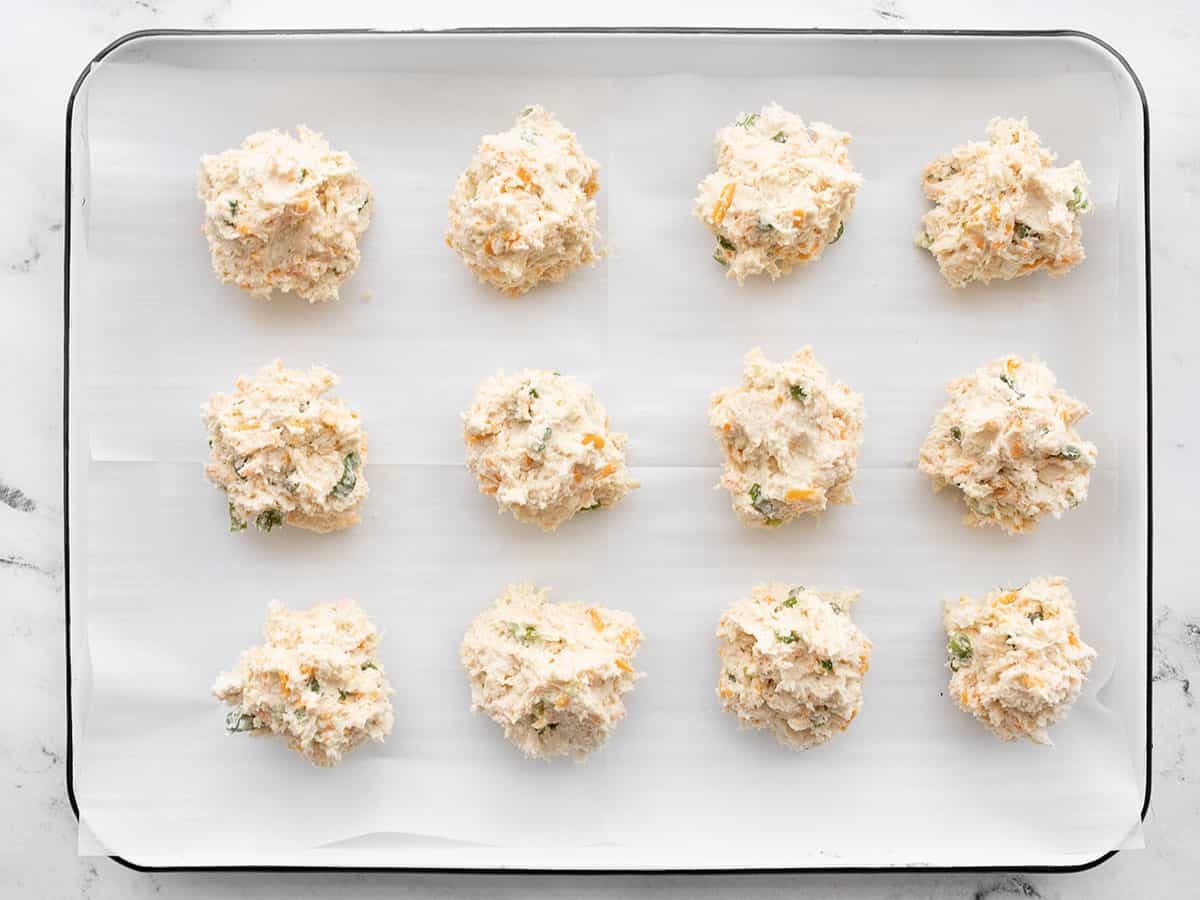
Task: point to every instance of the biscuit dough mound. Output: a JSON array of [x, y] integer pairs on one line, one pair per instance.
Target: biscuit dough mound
[[1016, 659], [284, 452], [1007, 440], [551, 674], [790, 435], [523, 211], [539, 442], [792, 663], [314, 681], [284, 213], [1003, 208], [781, 194]]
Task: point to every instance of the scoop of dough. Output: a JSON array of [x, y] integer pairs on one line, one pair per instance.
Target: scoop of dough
[[539, 442], [315, 681], [1017, 661], [523, 211], [790, 437], [792, 663], [552, 674], [282, 451], [284, 213], [1003, 209], [1007, 440], [781, 194]]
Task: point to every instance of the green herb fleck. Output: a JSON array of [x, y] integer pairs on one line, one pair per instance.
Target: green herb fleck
[[1077, 202], [533, 393], [797, 392], [956, 432], [313, 685], [779, 137], [732, 677], [233, 208], [747, 121], [1069, 451], [1036, 616], [526, 634], [789, 638], [726, 243], [765, 226], [595, 505], [363, 205], [237, 722], [349, 479], [267, 520], [235, 524], [303, 174], [1022, 231], [1007, 379], [763, 505], [719, 258], [343, 695], [827, 665], [369, 664], [540, 446], [841, 230], [959, 647]]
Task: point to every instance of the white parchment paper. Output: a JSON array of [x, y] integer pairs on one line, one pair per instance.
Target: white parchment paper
[[165, 597]]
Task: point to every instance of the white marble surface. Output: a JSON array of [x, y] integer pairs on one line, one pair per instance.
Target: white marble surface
[[45, 46]]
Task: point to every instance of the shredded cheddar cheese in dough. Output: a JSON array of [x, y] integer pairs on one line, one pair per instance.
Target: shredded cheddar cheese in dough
[[284, 213], [792, 663], [551, 674], [284, 452], [1007, 440], [1016, 658], [790, 435], [539, 443], [314, 681], [524, 211], [781, 194], [1003, 209]]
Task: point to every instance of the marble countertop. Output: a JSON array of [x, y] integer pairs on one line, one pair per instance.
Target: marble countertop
[[44, 48]]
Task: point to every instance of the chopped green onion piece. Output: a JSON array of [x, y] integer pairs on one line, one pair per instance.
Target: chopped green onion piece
[[726, 243], [268, 520], [349, 479], [827, 665], [789, 638], [313, 685], [235, 524], [779, 137], [1069, 451], [959, 646], [956, 433], [747, 121], [841, 230], [797, 392]]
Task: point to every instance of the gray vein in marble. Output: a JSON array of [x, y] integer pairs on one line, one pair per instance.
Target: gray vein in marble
[[24, 263], [889, 11], [1012, 886], [11, 496], [17, 563]]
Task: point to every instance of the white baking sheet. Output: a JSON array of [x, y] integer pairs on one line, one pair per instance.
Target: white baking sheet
[[163, 597]]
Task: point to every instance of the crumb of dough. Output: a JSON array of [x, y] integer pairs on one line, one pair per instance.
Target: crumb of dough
[[315, 681], [368, 296], [1003, 209], [284, 213], [538, 441], [783, 192], [790, 436], [284, 452], [551, 674], [1016, 659], [524, 211], [1007, 440], [792, 663]]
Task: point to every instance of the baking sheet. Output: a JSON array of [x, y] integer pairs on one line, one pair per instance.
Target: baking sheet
[[164, 597]]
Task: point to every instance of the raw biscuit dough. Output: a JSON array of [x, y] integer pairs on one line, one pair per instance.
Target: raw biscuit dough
[[283, 451], [284, 213], [790, 436], [524, 211], [539, 442], [1007, 440], [1003, 209], [792, 663], [315, 681], [1017, 661], [781, 194], [552, 674]]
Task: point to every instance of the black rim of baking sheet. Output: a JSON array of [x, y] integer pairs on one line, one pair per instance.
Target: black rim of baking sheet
[[684, 31]]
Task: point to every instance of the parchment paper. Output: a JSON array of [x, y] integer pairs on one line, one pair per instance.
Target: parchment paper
[[167, 598]]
